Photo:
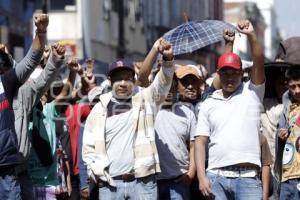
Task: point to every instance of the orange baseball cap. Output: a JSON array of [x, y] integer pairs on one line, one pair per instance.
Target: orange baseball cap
[[185, 70]]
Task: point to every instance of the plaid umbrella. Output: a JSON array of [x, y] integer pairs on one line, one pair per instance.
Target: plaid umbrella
[[194, 35]]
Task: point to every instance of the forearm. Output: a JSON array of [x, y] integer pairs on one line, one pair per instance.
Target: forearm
[[26, 66], [48, 75], [266, 171], [200, 153], [147, 67], [257, 71], [40, 40], [162, 82], [228, 47], [67, 88], [192, 165]]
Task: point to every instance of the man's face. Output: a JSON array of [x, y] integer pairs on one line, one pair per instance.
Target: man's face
[[189, 87], [294, 88], [230, 79], [122, 82]]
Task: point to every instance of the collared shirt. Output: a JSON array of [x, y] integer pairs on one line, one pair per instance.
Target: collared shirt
[[232, 125]]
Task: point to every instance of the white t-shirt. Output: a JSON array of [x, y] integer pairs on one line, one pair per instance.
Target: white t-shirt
[[119, 137], [232, 125], [174, 130]]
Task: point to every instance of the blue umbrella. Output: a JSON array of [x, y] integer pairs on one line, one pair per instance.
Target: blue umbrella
[[194, 35]]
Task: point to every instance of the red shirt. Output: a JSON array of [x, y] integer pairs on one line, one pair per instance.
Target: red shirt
[[76, 114]]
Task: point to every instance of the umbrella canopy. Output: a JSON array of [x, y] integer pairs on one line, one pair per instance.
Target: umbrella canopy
[[194, 35]]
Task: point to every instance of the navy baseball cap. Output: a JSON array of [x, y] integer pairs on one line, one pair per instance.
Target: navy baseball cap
[[120, 65]]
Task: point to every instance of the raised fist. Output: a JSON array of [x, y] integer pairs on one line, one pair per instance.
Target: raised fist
[[58, 50], [245, 26], [74, 65], [89, 63], [229, 35], [41, 22], [164, 48]]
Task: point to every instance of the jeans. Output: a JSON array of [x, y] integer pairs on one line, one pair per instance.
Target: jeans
[[9, 185], [26, 185], [140, 189], [240, 188], [172, 189], [288, 190]]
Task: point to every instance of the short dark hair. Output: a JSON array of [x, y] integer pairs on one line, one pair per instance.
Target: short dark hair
[[293, 72], [5, 60]]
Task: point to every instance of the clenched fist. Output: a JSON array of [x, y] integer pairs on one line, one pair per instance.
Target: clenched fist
[[58, 50], [74, 65], [41, 22], [245, 26], [164, 48], [229, 35]]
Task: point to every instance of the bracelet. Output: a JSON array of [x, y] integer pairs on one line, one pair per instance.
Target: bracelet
[[38, 32], [167, 59]]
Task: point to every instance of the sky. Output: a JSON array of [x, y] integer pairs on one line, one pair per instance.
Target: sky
[[288, 17]]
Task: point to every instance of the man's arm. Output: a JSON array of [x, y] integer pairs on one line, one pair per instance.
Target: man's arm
[[148, 63], [258, 70], [42, 84], [229, 37], [74, 67], [200, 152], [163, 80], [265, 179], [34, 55]]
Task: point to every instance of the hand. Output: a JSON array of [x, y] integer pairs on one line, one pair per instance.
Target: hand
[[41, 22], [186, 179], [283, 134], [69, 189], [157, 45], [245, 26], [205, 187], [165, 49], [229, 35], [84, 193], [73, 65], [89, 63], [58, 50], [4, 48]]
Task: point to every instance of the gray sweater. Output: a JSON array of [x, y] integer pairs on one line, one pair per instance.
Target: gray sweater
[[26, 98]]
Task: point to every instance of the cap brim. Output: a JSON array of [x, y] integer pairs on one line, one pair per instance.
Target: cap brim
[[120, 68], [278, 64]]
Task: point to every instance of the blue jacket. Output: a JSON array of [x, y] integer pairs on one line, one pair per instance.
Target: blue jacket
[[10, 81], [8, 137]]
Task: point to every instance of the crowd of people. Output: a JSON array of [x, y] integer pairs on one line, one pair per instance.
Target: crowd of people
[[152, 130]]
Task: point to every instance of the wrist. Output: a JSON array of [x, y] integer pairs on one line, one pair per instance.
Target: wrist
[[155, 49], [168, 58], [40, 32]]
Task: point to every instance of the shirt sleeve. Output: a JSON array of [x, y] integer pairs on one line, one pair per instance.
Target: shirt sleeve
[[193, 126], [203, 126], [258, 89]]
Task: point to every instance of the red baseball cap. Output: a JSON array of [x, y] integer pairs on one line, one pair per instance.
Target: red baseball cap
[[231, 60]]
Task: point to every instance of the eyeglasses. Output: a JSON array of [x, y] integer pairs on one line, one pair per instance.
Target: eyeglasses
[[190, 81]]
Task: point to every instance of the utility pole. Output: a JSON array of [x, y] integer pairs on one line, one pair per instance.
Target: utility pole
[[121, 39]]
